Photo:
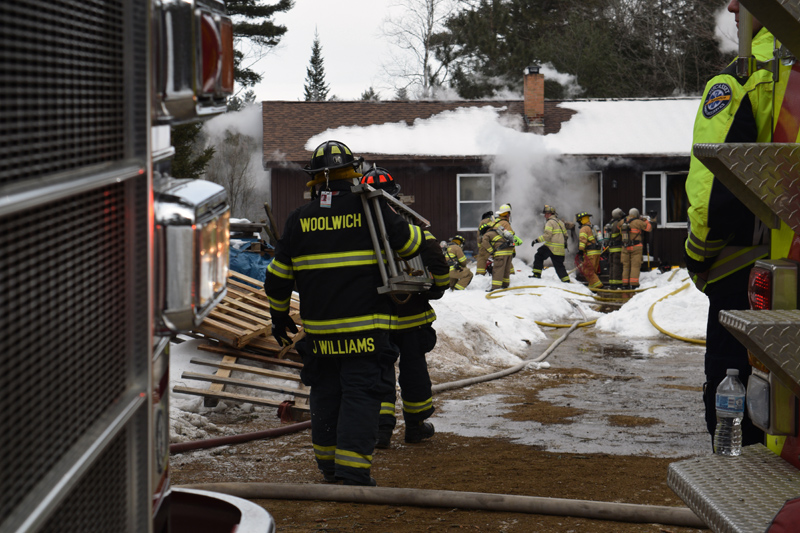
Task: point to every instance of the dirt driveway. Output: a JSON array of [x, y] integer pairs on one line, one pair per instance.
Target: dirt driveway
[[602, 423]]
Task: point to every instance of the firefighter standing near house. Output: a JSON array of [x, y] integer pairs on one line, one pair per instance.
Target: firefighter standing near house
[[725, 238], [632, 230], [487, 220], [460, 275], [414, 335], [554, 239], [501, 244], [327, 253], [589, 251], [614, 235]]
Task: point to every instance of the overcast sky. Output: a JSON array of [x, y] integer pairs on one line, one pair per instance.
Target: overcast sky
[[352, 48]]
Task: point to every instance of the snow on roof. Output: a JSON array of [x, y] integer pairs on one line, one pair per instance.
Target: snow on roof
[[600, 127], [625, 127]]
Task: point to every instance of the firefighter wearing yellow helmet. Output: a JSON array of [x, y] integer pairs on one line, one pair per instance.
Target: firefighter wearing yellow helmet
[[588, 251], [460, 275], [500, 241], [348, 356]]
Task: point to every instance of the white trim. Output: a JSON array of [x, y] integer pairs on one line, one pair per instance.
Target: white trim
[[474, 227], [662, 199]]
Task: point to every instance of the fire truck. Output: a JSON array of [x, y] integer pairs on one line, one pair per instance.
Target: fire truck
[[760, 489], [104, 258]]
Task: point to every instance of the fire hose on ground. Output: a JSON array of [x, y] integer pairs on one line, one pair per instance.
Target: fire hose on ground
[[617, 512]]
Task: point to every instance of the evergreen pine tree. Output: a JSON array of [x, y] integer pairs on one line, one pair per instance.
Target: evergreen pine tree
[[253, 23], [190, 160], [316, 90]]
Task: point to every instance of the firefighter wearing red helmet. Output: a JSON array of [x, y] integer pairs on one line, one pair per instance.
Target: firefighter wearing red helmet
[[414, 335], [327, 253]]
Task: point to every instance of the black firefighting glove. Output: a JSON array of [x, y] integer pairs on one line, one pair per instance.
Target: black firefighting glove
[[580, 256], [280, 323], [434, 293]]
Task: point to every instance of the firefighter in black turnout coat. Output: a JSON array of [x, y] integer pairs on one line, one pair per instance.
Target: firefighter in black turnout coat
[[414, 336], [327, 252]]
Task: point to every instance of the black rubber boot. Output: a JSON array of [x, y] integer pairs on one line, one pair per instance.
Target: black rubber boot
[[418, 432], [371, 483], [384, 439]]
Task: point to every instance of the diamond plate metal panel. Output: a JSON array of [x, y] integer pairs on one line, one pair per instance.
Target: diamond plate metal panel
[[764, 176], [774, 338], [735, 494], [781, 17]]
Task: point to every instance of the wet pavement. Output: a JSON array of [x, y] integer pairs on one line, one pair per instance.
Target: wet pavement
[[658, 379]]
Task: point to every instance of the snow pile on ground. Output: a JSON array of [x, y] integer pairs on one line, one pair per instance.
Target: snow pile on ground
[[478, 335]]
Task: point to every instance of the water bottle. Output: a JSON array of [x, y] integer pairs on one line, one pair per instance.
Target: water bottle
[[730, 411]]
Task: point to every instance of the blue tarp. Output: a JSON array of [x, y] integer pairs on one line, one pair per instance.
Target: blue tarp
[[250, 264]]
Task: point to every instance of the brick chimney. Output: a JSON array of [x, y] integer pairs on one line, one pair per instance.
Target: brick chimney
[[533, 99]]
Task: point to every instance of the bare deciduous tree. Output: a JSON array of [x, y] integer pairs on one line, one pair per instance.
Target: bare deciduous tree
[[231, 168], [413, 28]]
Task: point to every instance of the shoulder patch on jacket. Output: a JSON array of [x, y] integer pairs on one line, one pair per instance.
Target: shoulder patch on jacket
[[717, 99]]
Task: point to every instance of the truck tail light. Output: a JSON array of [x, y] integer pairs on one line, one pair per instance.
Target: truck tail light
[[760, 289], [193, 69], [226, 36], [211, 54]]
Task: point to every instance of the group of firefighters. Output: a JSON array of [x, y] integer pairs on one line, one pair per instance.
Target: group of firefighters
[[624, 241]]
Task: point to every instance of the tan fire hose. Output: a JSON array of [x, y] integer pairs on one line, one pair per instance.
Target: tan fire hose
[[613, 511], [665, 332]]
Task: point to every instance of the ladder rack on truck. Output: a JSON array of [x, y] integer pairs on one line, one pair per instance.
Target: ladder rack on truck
[[745, 493]]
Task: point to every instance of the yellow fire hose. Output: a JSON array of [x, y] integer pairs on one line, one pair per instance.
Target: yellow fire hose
[[494, 294], [665, 332]]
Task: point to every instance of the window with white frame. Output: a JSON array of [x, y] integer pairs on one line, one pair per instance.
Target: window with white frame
[[665, 193], [475, 196]]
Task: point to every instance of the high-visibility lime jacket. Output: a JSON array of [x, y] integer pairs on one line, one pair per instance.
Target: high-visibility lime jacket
[[327, 253], [554, 236], [724, 236]]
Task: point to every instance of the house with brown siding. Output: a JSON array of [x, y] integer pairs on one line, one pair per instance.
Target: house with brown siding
[[631, 153]]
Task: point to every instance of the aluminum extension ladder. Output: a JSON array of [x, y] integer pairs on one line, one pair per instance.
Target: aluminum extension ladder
[[400, 276]]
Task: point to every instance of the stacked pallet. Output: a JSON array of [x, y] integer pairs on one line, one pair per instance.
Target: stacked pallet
[[240, 328]]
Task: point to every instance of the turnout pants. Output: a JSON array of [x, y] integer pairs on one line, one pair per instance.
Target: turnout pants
[[501, 268], [615, 266], [460, 279], [589, 268], [631, 265], [345, 400], [484, 251], [723, 351], [415, 383], [558, 263]]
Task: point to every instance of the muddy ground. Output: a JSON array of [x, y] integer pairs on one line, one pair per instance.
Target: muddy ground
[[602, 423]]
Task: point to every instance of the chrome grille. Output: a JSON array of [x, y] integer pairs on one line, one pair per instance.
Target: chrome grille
[[63, 86]]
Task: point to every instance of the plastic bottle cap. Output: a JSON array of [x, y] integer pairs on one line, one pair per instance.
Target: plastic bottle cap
[[732, 372]]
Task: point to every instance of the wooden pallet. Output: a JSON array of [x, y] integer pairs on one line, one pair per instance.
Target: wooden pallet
[[241, 320]]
